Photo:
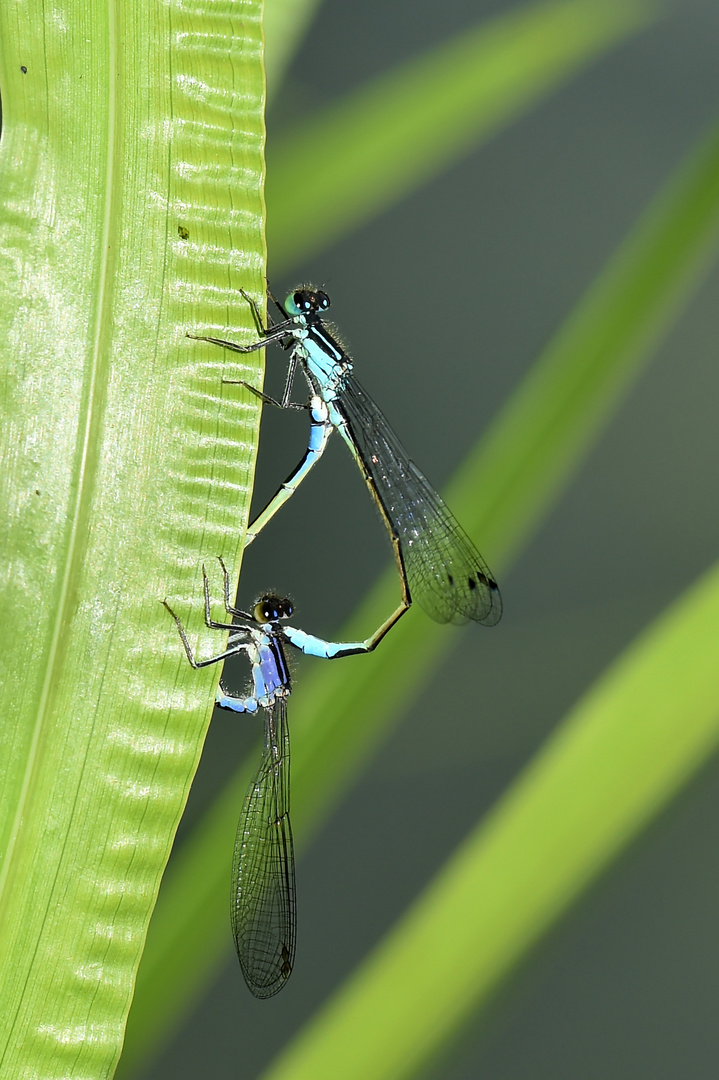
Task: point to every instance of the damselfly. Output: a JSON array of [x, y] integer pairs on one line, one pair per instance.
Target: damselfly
[[263, 902], [438, 564]]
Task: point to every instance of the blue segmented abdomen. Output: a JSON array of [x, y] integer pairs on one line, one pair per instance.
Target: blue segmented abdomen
[[270, 679], [314, 646], [267, 674], [242, 705]]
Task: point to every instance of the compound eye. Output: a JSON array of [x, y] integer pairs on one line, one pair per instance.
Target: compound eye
[[303, 301], [287, 609], [323, 300], [297, 303], [266, 609]]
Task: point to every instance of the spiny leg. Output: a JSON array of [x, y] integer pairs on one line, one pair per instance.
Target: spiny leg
[[285, 402], [209, 621], [265, 398], [256, 314], [232, 651], [289, 381], [276, 334], [228, 605], [277, 304]]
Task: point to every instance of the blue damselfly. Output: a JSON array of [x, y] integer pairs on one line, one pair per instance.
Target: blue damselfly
[[263, 901], [438, 564]]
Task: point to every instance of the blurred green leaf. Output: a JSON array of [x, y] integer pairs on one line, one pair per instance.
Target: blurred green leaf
[[346, 164], [520, 467], [340, 712], [124, 461], [285, 23], [627, 747]]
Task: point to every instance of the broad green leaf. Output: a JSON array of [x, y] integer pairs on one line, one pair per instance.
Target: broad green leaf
[[340, 712], [627, 747], [349, 162], [131, 169]]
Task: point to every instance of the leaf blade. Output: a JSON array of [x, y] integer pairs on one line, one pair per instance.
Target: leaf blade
[[115, 240]]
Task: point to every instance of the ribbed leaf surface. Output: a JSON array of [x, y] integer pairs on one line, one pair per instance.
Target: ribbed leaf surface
[[131, 170]]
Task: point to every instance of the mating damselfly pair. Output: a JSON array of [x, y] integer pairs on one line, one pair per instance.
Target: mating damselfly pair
[[438, 566]]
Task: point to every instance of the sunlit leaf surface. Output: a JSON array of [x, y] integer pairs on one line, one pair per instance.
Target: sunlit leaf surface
[[131, 170]]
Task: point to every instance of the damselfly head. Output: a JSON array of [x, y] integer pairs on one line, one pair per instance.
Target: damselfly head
[[307, 301], [270, 608]]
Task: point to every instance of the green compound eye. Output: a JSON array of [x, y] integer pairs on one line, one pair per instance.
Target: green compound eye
[[296, 303], [306, 301], [290, 306]]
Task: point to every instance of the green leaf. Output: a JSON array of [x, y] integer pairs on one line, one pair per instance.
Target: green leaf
[[286, 21], [131, 168], [627, 747], [340, 712], [351, 161], [518, 470]]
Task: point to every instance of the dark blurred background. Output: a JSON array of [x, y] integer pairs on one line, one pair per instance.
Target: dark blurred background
[[479, 269]]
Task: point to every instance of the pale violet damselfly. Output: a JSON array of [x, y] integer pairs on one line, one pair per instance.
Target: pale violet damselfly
[[263, 903], [438, 564]]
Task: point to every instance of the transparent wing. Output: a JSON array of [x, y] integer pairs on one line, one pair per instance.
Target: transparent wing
[[263, 903], [446, 574]]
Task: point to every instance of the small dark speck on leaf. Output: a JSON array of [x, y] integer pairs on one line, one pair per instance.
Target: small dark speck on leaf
[[23, 69], [37, 491], [183, 233]]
